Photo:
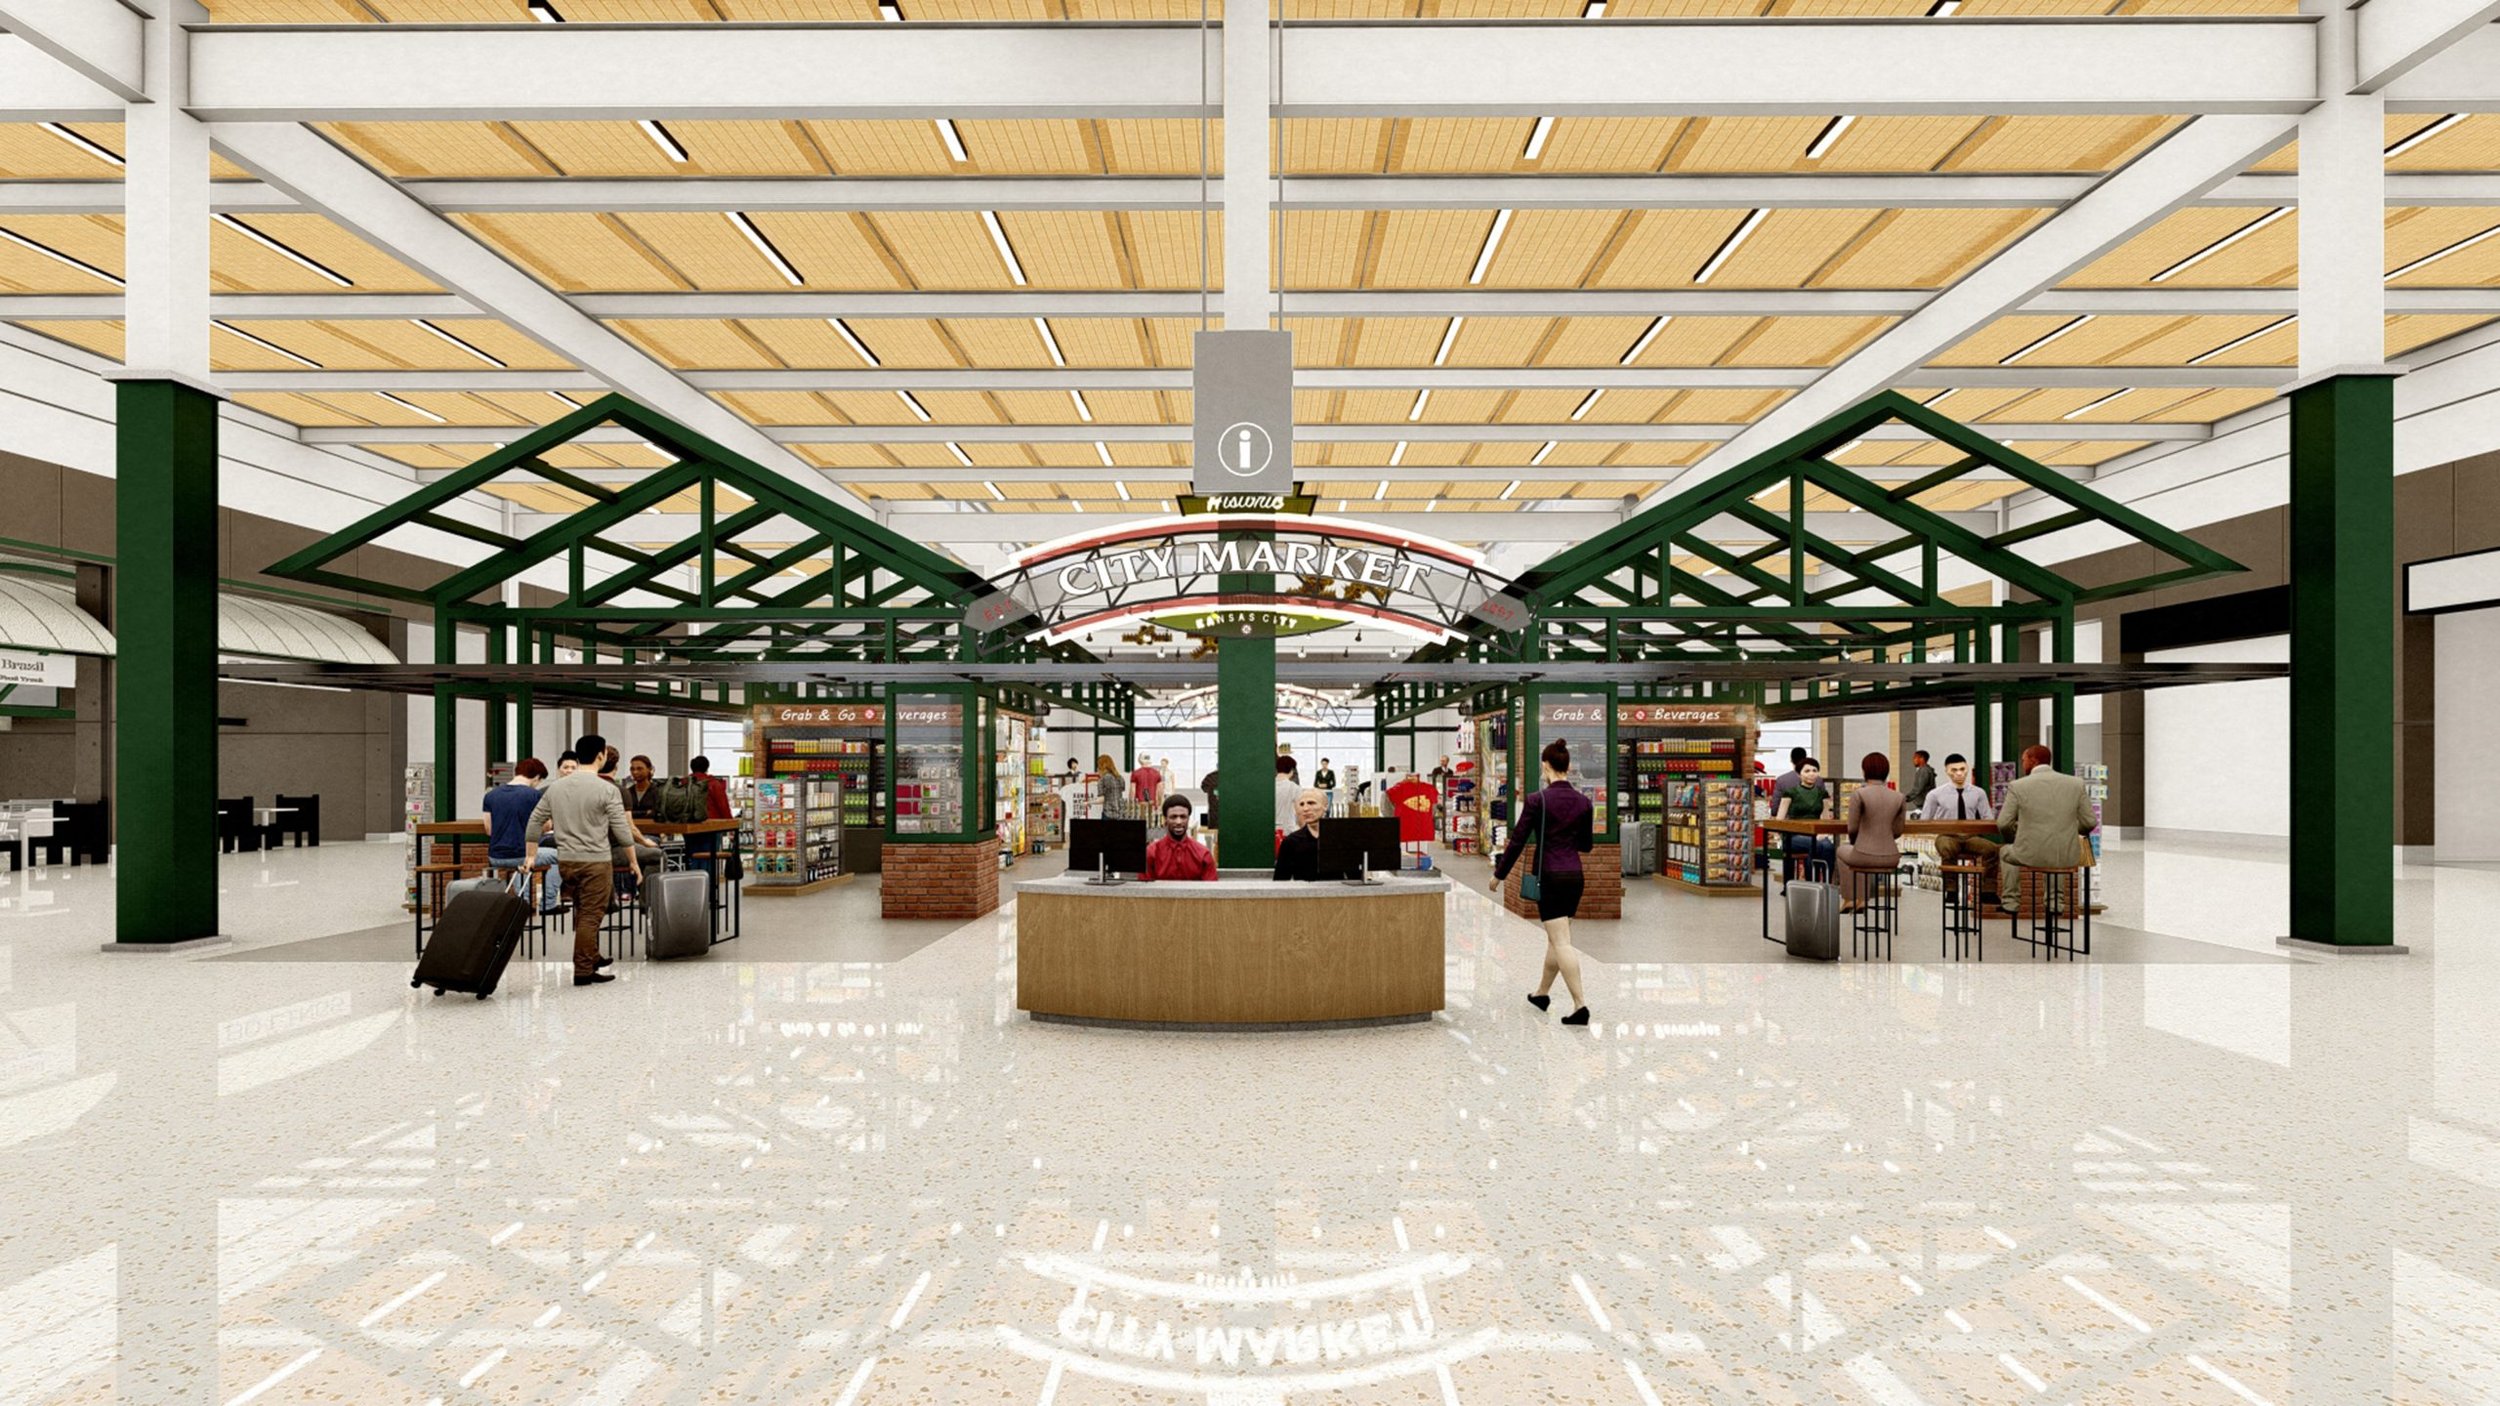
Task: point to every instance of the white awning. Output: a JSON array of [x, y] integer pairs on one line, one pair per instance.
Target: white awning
[[41, 612], [271, 629]]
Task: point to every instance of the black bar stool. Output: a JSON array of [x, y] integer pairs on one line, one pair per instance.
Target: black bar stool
[[1872, 926], [2058, 903], [1963, 934]]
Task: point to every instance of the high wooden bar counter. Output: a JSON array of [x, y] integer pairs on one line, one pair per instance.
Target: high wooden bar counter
[[1239, 954]]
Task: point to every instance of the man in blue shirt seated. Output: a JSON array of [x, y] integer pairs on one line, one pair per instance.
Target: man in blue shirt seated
[[508, 810]]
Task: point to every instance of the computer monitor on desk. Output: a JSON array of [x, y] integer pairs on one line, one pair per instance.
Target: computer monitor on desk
[[1359, 848], [1103, 848]]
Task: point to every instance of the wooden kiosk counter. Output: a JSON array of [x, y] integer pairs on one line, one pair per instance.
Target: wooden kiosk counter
[[1240, 954]]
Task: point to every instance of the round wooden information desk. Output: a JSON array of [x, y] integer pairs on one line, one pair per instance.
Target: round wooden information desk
[[1241, 954]]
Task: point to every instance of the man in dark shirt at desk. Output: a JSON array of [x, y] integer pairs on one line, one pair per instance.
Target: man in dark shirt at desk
[[1297, 857]]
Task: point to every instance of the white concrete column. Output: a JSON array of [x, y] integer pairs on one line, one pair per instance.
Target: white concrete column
[[166, 193], [1249, 188], [2343, 210]]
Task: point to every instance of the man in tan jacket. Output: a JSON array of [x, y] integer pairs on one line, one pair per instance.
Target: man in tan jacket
[[2044, 811], [589, 816]]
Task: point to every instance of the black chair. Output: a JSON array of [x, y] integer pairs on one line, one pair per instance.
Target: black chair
[[303, 822], [81, 830], [2059, 904], [1872, 926], [1963, 933], [235, 830]]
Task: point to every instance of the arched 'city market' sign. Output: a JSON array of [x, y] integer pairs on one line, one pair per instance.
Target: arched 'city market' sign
[[1237, 569]]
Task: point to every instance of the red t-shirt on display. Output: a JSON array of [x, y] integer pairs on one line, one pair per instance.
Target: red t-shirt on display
[[1412, 801], [1144, 782]]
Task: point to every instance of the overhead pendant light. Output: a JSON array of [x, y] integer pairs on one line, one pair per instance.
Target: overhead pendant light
[[463, 344], [1449, 338], [668, 145], [2038, 342], [1536, 139], [2435, 255], [1831, 133], [1587, 403], [266, 345], [58, 257], [1728, 247], [95, 149], [2240, 341], [1656, 326], [2221, 244], [1006, 251], [858, 347], [789, 273], [283, 251], [1492, 241], [2400, 148], [912, 403]]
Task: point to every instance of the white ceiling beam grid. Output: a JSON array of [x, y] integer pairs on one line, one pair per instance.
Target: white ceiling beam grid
[[99, 40], [2392, 38], [1073, 433]]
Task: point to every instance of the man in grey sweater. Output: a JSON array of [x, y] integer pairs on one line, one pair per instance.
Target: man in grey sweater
[[589, 816]]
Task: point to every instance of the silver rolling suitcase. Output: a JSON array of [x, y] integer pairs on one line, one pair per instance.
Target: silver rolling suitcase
[[1813, 919], [681, 919]]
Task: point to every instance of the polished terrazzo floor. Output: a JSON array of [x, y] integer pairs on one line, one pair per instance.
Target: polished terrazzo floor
[[835, 1167]]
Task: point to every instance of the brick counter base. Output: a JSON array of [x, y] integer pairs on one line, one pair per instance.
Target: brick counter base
[[1601, 892], [940, 881]]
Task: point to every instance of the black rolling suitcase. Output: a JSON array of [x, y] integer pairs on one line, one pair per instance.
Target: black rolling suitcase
[[472, 943]]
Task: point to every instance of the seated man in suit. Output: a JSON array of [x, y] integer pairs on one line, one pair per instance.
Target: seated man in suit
[[2044, 812]]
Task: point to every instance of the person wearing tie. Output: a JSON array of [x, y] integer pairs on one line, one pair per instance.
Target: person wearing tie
[[1958, 799]]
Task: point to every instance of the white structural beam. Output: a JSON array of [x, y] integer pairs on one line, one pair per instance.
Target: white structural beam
[[2393, 37], [2190, 162], [301, 162], [1159, 482], [1561, 68], [2343, 227], [36, 87], [1367, 378], [2462, 75], [1076, 433], [1471, 303], [843, 194], [1249, 96], [96, 39], [166, 234], [948, 524]]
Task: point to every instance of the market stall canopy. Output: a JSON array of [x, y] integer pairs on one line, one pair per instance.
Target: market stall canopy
[[272, 629], [41, 612]]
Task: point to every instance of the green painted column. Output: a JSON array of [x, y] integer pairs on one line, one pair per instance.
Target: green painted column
[[165, 689], [446, 722], [498, 705], [524, 722], [1245, 752], [2343, 554]]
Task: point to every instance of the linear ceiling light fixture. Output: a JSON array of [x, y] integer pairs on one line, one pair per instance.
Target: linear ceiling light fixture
[[890, 12], [1084, 412], [912, 403], [2242, 340], [1120, 484], [668, 145], [1006, 251], [1416, 411], [1943, 8], [1648, 336], [1588, 403], [1514, 487], [1441, 357], [1536, 139], [993, 488], [851, 339], [58, 257], [569, 402], [95, 149], [1103, 451], [1539, 460], [282, 251], [1831, 133], [2399, 149], [2041, 341], [267, 345], [958, 451], [2459, 247], [1380, 490], [1727, 249], [495, 361], [1051, 343], [1492, 241], [2223, 243], [1397, 454], [2082, 410], [789, 273], [544, 13], [1593, 10], [954, 142], [412, 407]]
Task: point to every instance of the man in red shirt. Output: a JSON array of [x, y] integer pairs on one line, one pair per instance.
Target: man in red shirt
[[1174, 855]]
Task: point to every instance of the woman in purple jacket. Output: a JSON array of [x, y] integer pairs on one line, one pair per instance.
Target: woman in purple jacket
[[1563, 815]]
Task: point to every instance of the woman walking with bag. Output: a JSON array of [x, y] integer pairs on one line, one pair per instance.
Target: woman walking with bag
[[1558, 816]]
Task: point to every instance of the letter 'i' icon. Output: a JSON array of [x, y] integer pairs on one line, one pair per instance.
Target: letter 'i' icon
[[1241, 448]]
